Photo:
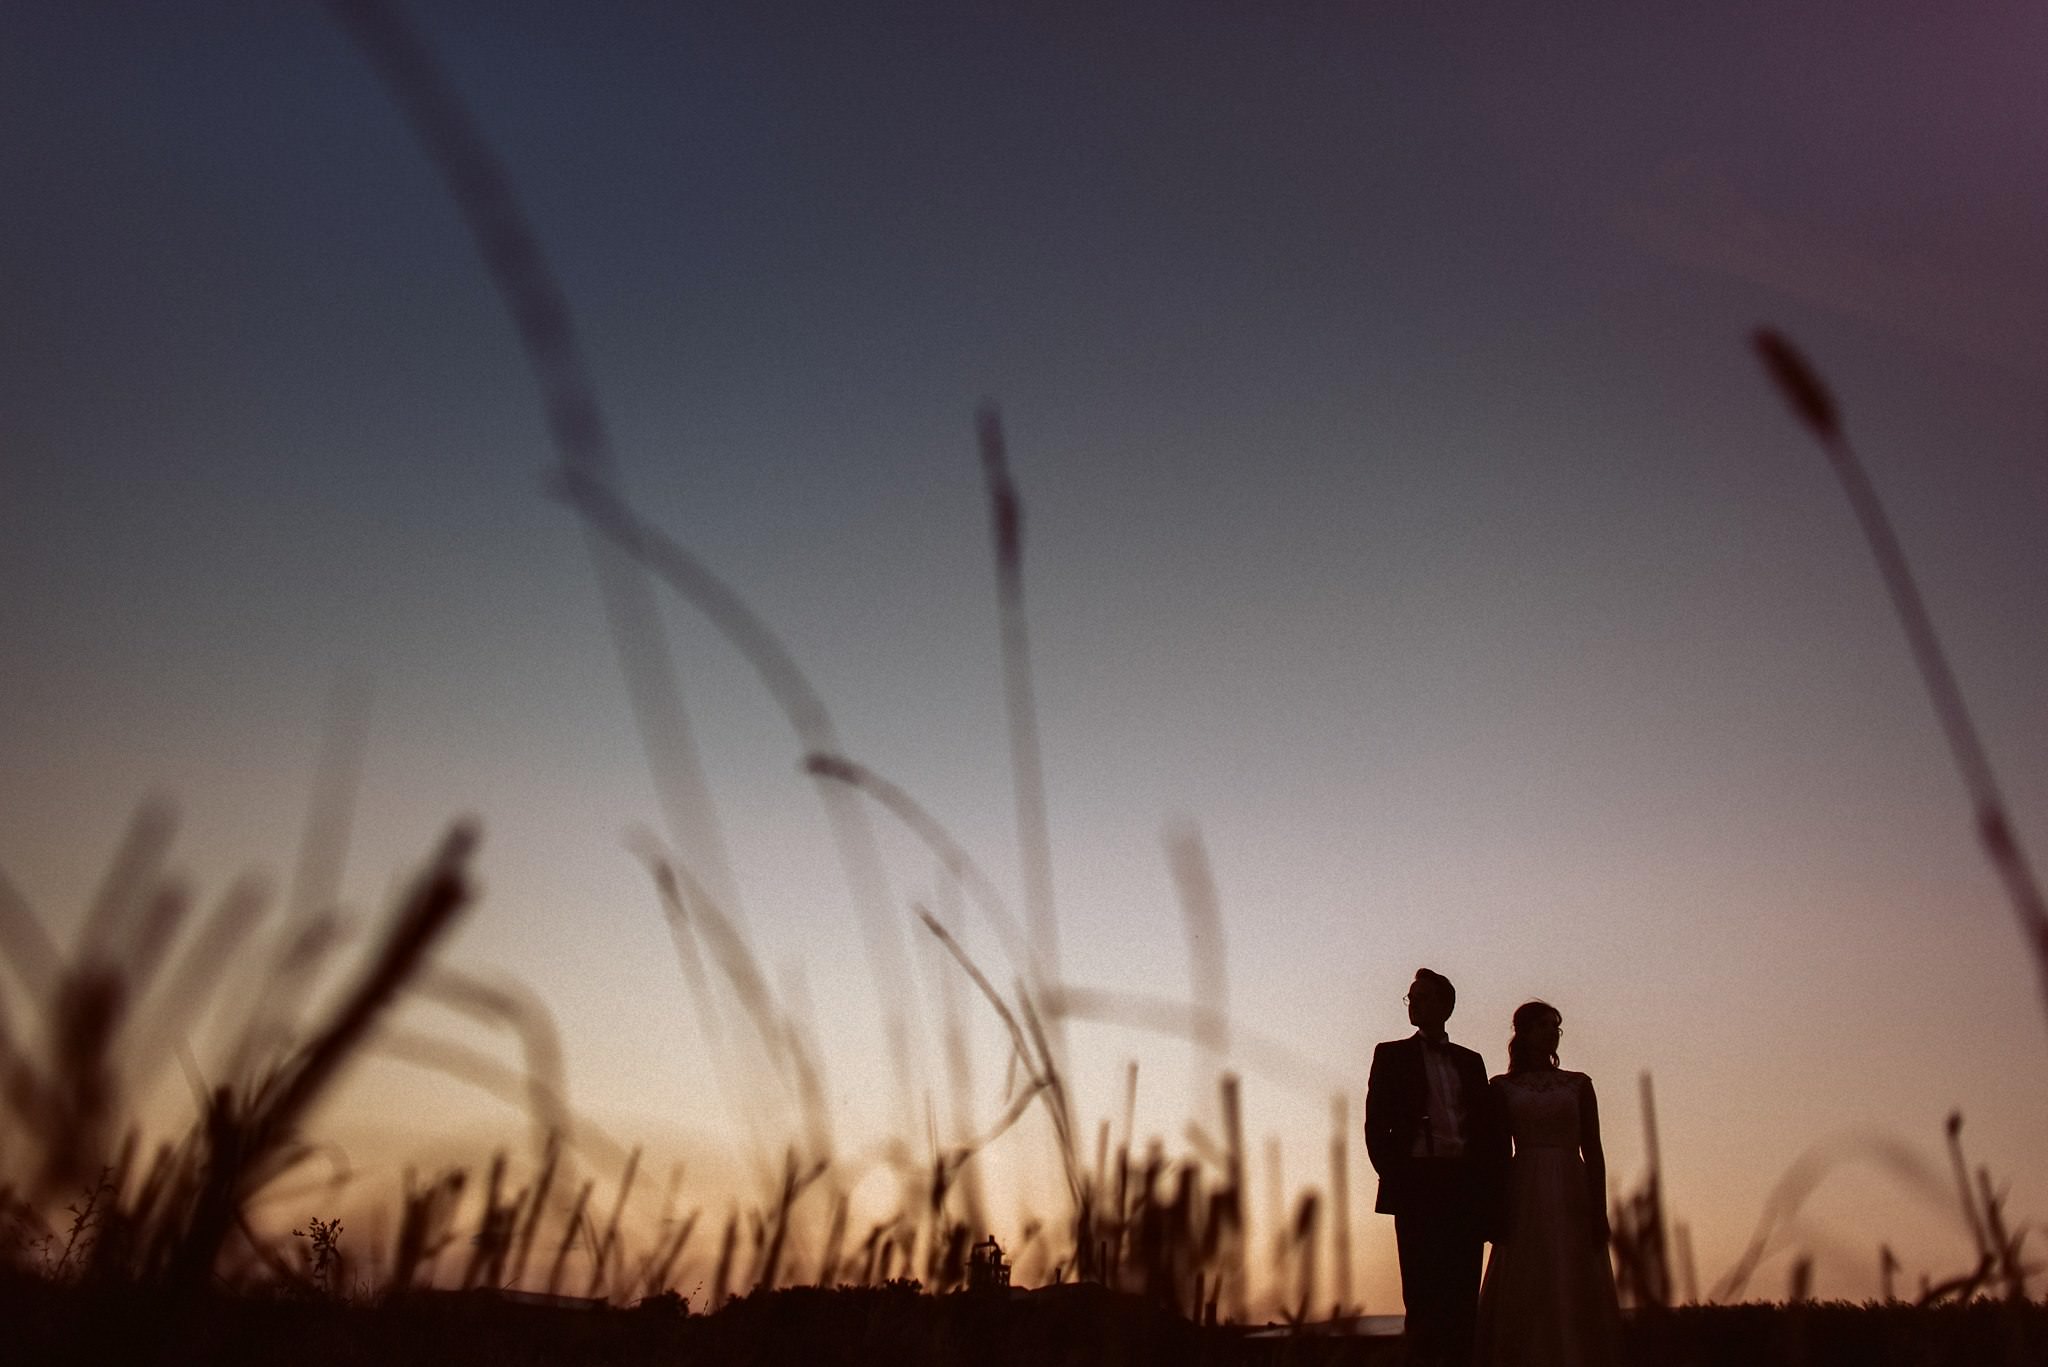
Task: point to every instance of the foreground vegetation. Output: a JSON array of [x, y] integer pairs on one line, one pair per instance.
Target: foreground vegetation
[[898, 1324]]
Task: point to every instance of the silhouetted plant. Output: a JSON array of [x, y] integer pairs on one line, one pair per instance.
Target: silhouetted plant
[[1815, 406], [323, 1253]]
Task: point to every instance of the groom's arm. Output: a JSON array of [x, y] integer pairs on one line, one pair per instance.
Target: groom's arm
[[1491, 1140], [1495, 1153], [1379, 1119], [1488, 1145]]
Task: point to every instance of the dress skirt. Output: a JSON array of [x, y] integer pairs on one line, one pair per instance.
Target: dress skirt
[[1548, 1299]]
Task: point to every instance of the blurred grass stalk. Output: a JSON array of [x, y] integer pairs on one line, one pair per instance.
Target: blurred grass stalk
[[110, 1019], [1027, 764], [622, 548], [1815, 407], [511, 253], [518, 267]]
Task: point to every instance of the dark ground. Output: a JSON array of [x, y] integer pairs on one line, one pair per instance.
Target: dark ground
[[806, 1327]]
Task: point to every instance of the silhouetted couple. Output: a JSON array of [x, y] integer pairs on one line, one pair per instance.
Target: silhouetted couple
[[1515, 1161]]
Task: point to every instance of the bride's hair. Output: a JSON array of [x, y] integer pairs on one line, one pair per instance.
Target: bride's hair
[[1523, 1049]]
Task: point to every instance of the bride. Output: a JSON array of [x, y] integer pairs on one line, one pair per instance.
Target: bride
[[1548, 1299]]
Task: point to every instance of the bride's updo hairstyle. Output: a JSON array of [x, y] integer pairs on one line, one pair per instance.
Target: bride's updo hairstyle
[[1534, 1043]]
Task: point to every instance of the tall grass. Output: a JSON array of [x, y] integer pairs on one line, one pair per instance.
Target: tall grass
[[1815, 407], [1034, 843], [511, 252], [177, 1212], [1193, 1233]]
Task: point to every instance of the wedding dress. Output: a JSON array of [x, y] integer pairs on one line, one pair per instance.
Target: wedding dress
[[1548, 1299]]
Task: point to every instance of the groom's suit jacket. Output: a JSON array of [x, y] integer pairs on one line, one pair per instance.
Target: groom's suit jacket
[[1397, 1110]]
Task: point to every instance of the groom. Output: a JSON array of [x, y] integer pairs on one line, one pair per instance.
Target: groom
[[1429, 1133]]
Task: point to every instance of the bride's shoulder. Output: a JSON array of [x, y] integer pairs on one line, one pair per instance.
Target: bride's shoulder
[[1543, 1080]]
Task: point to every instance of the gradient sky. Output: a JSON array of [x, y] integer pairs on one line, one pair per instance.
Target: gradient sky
[[1404, 505]]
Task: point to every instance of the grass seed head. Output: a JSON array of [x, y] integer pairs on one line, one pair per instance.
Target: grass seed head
[[1799, 383]]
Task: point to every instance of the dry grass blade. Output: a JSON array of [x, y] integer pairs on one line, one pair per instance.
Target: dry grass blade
[[676, 913], [26, 946], [428, 912], [1192, 1022], [770, 1249], [323, 844], [1034, 844], [722, 1278], [1805, 1175], [1340, 1203], [853, 838], [1307, 1219], [540, 313], [76, 1097], [1011, 1114], [575, 1222], [1020, 1047], [510, 1085], [955, 859], [287, 982], [735, 958], [1799, 383], [1030, 1049], [697, 584], [608, 1243], [520, 1010], [835, 1241], [134, 877], [661, 1259], [692, 909], [739, 1098], [494, 1229], [425, 1227], [959, 1063], [187, 991], [1979, 1239], [536, 1205], [251, 1139], [1638, 1240], [1060, 1106], [1229, 1214], [1809, 398], [150, 938], [1202, 915]]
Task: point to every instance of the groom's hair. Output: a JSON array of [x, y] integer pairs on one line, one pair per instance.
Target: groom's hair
[[1441, 983]]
